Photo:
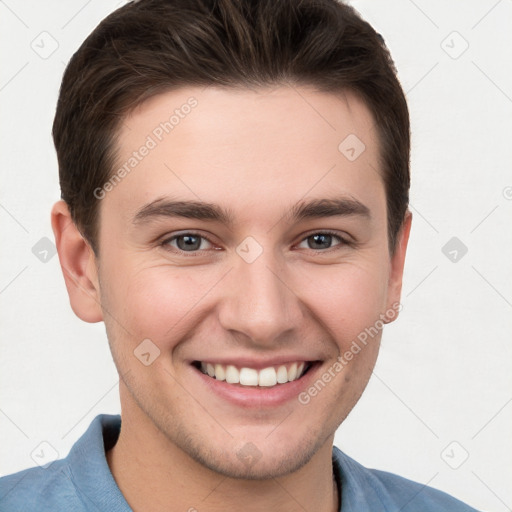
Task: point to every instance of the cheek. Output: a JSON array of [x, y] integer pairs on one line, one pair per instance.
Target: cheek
[[162, 302], [348, 299], [157, 302]]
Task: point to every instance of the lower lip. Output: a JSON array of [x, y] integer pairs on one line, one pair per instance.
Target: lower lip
[[258, 396]]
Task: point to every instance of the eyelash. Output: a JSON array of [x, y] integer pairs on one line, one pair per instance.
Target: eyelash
[[343, 242]]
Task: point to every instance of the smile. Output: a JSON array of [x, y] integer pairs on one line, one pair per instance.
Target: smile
[[265, 377]]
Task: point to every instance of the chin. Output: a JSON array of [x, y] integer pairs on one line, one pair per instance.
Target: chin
[[261, 467], [260, 460]]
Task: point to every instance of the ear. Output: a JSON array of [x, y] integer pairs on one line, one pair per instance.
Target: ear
[[78, 264], [397, 267]]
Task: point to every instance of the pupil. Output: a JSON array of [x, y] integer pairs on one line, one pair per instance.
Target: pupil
[[322, 239], [189, 242]]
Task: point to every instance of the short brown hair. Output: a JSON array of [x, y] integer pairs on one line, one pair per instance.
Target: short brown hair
[[151, 46]]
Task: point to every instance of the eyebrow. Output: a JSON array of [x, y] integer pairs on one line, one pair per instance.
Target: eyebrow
[[312, 209]]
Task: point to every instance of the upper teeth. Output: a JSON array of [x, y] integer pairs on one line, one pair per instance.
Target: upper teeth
[[250, 377]]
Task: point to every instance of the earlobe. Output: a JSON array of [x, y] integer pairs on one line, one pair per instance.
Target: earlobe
[[397, 268], [78, 264]]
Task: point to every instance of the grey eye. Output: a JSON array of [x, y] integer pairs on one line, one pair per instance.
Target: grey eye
[[188, 242], [321, 241]]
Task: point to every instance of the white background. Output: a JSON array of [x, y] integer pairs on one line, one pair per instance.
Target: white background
[[444, 373]]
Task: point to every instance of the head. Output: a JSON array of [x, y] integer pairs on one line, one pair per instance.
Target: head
[[235, 180]]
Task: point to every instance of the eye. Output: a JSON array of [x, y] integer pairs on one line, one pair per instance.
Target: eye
[[191, 242], [322, 240], [187, 242]]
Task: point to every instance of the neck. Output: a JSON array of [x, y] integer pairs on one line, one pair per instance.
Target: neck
[[154, 474]]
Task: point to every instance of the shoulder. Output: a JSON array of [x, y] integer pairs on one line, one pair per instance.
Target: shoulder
[[40, 489], [80, 482], [385, 491]]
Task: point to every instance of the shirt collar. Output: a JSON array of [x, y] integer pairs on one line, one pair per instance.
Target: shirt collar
[[95, 484], [89, 469]]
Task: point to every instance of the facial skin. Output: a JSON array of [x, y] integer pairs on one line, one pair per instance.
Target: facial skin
[[256, 154]]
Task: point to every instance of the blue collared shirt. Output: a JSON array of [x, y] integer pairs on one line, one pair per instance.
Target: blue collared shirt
[[83, 482]]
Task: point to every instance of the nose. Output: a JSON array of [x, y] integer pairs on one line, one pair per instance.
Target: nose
[[259, 302]]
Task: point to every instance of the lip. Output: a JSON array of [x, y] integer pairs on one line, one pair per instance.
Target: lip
[[248, 397]]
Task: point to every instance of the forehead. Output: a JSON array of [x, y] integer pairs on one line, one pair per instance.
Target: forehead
[[248, 148]]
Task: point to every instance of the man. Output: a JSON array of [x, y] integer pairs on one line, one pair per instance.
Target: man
[[234, 180]]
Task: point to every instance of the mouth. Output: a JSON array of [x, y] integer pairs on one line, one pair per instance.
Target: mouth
[[252, 385], [268, 377]]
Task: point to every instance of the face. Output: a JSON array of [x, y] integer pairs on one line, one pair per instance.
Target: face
[[241, 257]]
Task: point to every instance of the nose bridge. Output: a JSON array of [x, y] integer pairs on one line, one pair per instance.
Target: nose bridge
[[259, 302]]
